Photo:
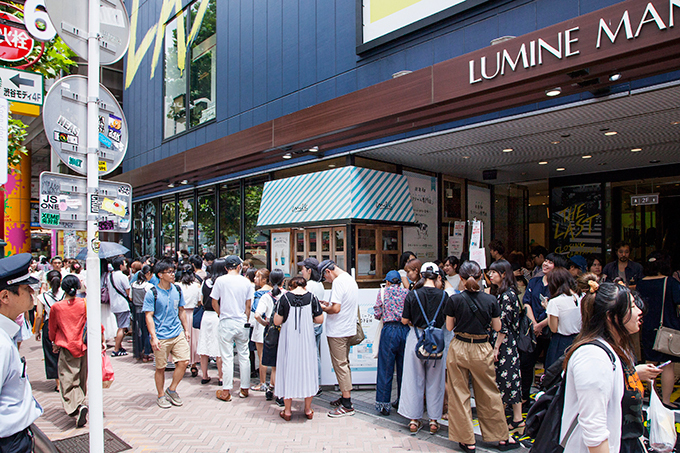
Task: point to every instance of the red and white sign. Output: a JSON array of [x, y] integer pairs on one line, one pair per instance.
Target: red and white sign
[[15, 43]]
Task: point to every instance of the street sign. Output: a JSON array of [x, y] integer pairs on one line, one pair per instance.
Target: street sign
[[64, 204], [15, 42], [70, 19], [21, 86], [644, 200], [65, 123]]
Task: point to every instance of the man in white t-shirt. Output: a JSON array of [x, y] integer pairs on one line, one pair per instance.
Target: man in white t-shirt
[[231, 296], [341, 325], [119, 294]]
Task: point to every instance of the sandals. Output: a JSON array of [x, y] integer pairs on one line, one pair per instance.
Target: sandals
[[223, 395], [516, 427], [309, 415], [434, 426], [205, 381], [119, 353], [283, 415], [507, 445], [194, 371], [414, 426], [466, 447]]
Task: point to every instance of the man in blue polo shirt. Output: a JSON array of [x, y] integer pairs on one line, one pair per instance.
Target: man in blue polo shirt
[[169, 331]]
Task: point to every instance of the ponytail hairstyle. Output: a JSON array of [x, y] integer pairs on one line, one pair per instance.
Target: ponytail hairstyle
[[297, 281], [430, 273], [276, 280], [54, 280], [264, 274], [605, 309], [70, 285], [187, 276], [583, 282], [141, 277], [470, 272]]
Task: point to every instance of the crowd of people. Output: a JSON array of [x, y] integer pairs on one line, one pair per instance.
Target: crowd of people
[[186, 311]]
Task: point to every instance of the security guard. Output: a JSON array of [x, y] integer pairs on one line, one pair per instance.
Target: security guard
[[18, 408]]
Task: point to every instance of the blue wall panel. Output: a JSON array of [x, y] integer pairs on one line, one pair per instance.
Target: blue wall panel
[[275, 57]]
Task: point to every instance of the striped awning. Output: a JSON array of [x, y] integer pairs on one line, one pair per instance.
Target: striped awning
[[336, 196]]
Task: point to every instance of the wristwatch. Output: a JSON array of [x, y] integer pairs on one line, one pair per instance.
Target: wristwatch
[[247, 325]]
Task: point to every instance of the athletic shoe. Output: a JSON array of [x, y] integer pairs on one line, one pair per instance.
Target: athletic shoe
[[279, 402], [269, 394], [163, 402], [384, 411], [336, 403], [173, 397], [82, 416], [341, 411]]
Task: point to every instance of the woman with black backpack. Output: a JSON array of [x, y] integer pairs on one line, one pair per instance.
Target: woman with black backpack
[[422, 307], [471, 315], [505, 348]]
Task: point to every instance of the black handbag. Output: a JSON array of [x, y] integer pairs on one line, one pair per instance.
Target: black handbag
[[198, 316], [271, 332]]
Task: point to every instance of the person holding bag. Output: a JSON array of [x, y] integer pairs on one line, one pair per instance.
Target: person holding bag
[[265, 316], [423, 306], [471, 315], [389, 308], [45, 302], [661, 296], [297, 312]]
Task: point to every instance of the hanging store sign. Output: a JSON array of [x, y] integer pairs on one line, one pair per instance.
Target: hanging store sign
[[64, 204], [644, 200], [65, 120]]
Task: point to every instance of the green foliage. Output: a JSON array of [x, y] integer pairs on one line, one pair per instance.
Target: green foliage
[[15, 148], [58, 57]]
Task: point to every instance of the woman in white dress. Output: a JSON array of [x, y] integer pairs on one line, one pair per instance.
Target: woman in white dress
[[108, 318], [208, 342], [191, 290], [297, 374]]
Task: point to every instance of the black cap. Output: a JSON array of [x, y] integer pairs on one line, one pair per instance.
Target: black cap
[[311, 263], [14, 271], [325, 264], [232, 261]]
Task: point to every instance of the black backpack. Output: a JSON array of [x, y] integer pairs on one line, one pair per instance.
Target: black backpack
[[526, 338], [544, 420]]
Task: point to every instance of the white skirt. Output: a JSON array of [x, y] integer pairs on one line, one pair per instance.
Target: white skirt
[[208, 338], [109, 322]]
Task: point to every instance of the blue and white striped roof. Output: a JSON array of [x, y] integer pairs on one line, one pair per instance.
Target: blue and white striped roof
[[347, 193]]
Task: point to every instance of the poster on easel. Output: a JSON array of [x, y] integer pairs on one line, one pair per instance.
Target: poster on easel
[[477, 252], [281, 252]]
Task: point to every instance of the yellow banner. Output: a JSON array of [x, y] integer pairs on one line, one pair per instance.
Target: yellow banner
[[383, 8]]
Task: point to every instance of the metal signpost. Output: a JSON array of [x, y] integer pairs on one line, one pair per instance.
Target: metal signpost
[[91, 27]]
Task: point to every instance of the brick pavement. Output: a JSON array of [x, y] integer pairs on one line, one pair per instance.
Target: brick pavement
[[205, 424]]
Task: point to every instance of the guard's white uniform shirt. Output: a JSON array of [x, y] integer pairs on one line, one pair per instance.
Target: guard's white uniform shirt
[[18, 408]]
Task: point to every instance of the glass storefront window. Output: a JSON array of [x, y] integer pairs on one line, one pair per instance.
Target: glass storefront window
[[186, 225], [150, 228], [312, 242], [256, 241], [390, 240], [390, 262], [202, 71], [168, 207], [366, 239], [339, 240], [206, 221], [138, 229], [325, 241], [230, 220], [366, 264], [175, 78]]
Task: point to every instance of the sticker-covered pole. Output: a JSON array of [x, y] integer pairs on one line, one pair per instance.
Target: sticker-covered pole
[[94, 358]]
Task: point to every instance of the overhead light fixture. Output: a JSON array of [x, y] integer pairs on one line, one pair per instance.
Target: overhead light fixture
[[560, 169], [466, 157], [287, 156], [610, 133], [553, 92], [587, 156], [314, 149], [508, 150], [615, 77], [171, 184], [331, 165], [675, 123], [556, 142], [543, 162], [184, 182], [635, 150], [655, 161], [401, 73]]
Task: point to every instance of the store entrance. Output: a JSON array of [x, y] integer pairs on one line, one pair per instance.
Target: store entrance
[[648, 227]]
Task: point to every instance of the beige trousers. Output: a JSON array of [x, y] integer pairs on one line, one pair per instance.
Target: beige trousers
[[476, 360], [339, 349], [72, 380]]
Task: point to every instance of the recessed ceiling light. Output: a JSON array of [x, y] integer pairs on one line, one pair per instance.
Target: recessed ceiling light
[[529, 204], [556, 142], [560, 169], [610, 133], [635, 150], [314, 149], [508, 150], [543, 204], [655, 161], [538, 193], [543, 162], [587, 156], [553, 92], [287, 156], [466, 157], [171, 185], [675, 123], [184, 182], [615, 77], [331, 165]]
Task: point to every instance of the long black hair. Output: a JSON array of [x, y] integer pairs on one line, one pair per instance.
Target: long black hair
[[141, 277], [276, 280], [54, 280], [405, 258], [470, 272], [218, 269], [70, 284], [504, 269], [187, 276]]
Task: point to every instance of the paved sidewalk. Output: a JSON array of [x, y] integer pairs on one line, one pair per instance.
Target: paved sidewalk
[[205, 424]]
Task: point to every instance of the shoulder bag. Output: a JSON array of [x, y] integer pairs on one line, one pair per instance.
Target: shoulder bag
[[272, 331], [474, 308], [667, 340], [359, 336], [526, 338], [430, 345]]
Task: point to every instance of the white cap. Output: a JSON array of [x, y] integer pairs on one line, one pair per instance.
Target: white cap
[[429, 267]]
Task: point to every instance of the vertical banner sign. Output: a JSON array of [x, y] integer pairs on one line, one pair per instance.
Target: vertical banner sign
[[576, 220], [281, 252], [4, 127], [422, 240], [456, 241], [477, 252]]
